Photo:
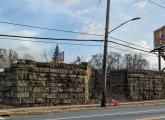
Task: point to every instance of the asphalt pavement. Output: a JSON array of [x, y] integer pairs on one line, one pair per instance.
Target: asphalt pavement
[[156, 112]]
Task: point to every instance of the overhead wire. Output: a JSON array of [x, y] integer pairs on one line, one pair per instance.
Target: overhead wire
[[59, 39], [92, 18], [48, 38], [156, 4], [162, 1], [129, 43], [68, 31], [129, 46], [45, 28], [23, 40]]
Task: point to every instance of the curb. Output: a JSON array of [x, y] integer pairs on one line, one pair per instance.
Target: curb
[[73, 108]]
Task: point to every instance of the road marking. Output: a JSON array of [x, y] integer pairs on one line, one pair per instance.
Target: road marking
[[1, 118], [101, 115], [152, 118]]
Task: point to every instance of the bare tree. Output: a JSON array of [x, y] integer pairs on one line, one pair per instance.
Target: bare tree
[[117, 61], [27, 56], [135, 62], [113, 61], [78, 60], [45, 55], [96, 61], [11, 56]]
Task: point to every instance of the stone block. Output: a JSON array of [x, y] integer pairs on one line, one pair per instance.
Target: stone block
[[9, 82], [52, 95], [81, 76], [28, 100], [72, 76], [61, 95], [8, 94], [42, 74], [24, 89], [39, 100], [53, 89], [32, 77], [36, 69], [2, 81], [78, 80], [64, 71], [54, 70], [40, 89], [70, 90], [38, 95], [43, 70], [54, 75], [43, 78], [79, 90], [40, 83], [62, 75], [60, 89], [81, 72], [13, 101], [51, 84], [81, 95], [21, 94], [23, 83]]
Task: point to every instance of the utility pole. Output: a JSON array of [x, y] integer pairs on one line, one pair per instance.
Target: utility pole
[[104, 90], [159, 60]]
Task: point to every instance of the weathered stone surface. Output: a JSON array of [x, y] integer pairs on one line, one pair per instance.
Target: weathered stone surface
[[21, 94], [53, 89], [63, 71], [24, 88], [38, 95], [23, 83], [54, 70], [27, 100], [40, 89], [32, 83]]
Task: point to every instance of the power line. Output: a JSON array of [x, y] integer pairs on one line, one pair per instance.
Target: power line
[[45, 28], [162, 1], [129, 46], [10, 36], [156, 4], [54, 29], [96, 45], [128, 42], [47, 42], [47, 38], [92, 18]]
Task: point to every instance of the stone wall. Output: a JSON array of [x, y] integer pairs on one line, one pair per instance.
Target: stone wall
[[146, 85], [116, 85], [125, 85], [29, 83]]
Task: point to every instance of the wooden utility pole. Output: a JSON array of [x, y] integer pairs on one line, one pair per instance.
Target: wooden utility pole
[[159, 61], [104, 90]]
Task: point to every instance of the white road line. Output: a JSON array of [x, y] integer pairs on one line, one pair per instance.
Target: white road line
[[1, 118], [101, 115]]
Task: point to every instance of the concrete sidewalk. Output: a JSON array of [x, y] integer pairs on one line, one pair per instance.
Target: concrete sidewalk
[[44, 110]]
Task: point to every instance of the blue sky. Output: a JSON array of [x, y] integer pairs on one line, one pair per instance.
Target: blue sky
[[75, 15]]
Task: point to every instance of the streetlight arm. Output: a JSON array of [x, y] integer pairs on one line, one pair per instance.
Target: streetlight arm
[[124, 23]]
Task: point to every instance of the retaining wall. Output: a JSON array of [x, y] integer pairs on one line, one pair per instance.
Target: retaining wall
[[29, 83]]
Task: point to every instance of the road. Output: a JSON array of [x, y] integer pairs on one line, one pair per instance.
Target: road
[[156, 112]]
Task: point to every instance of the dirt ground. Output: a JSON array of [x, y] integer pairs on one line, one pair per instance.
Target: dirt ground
[[5, 106]]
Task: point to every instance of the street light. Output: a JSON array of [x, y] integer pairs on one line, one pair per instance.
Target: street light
[[103, 102], [137, 18]]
